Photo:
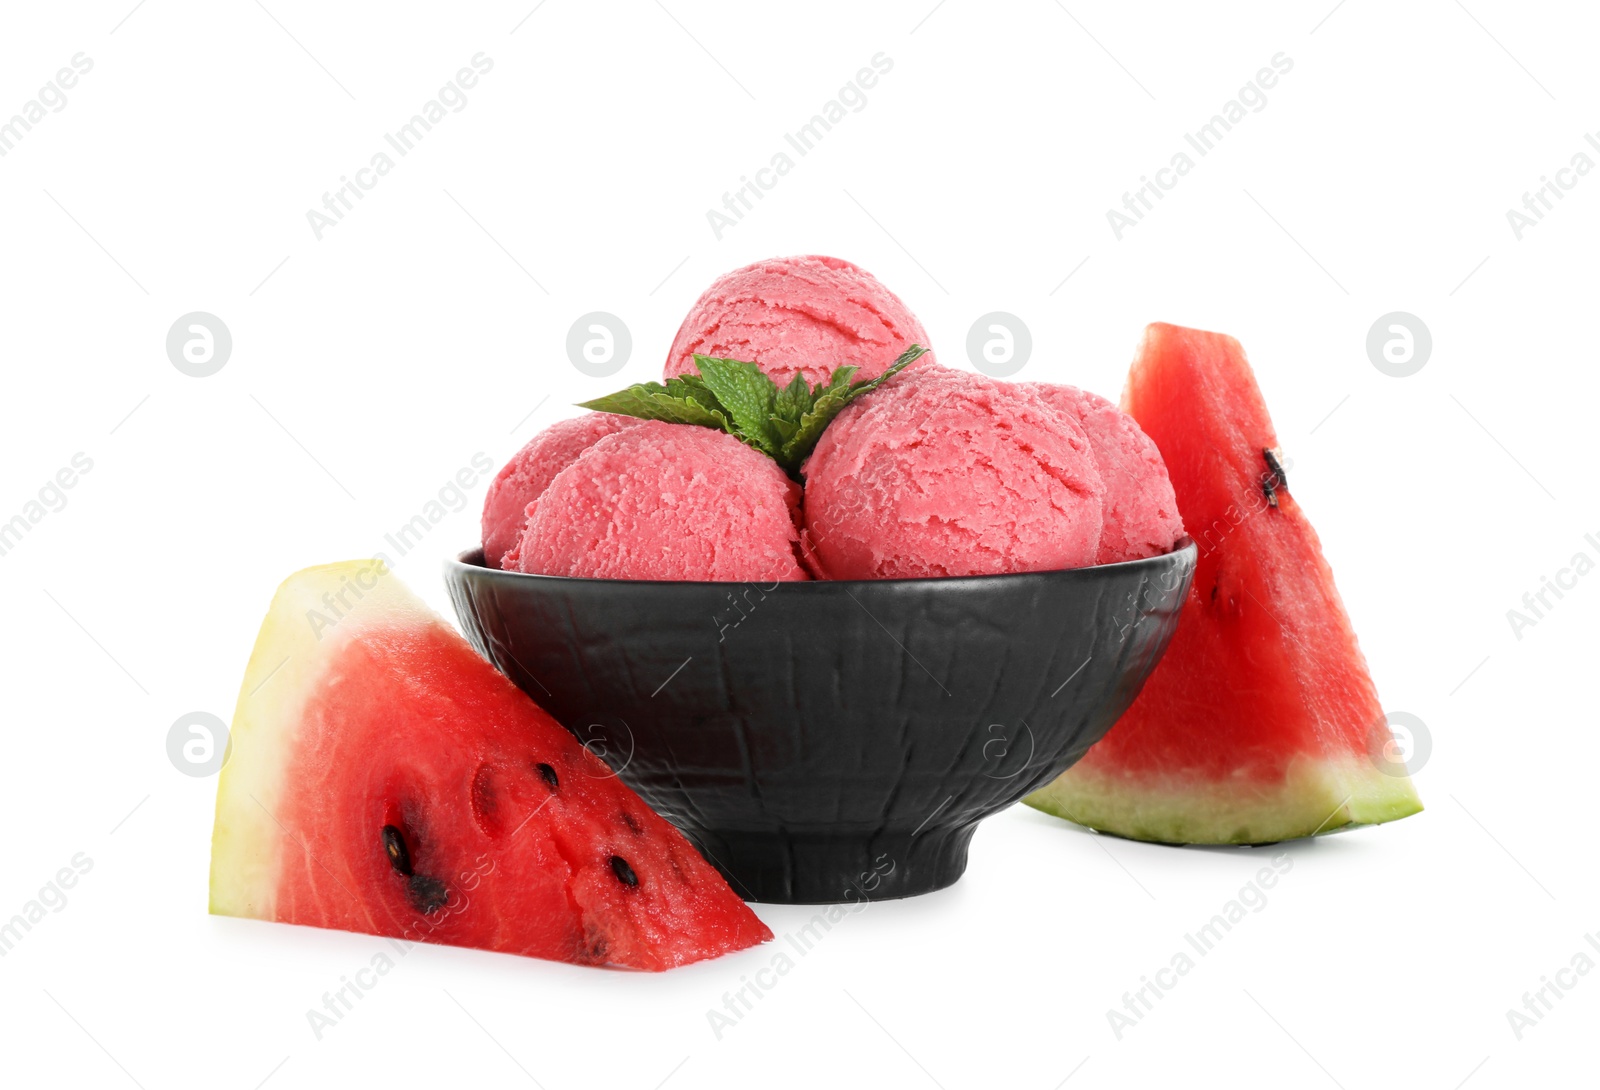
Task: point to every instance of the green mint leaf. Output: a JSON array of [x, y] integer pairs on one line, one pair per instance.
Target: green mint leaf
[[677, 402], [747, 395], [785, 429], [694, 388], [799, 445], [793, 400], [910, 355], [739, 398], [828, 402], [838, 382]]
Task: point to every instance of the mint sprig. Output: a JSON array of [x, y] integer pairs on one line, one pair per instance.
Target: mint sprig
[[738, 398], [683, 400]]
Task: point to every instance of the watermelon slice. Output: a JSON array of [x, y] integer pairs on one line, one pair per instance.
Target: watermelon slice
[[1261, 723], [384, 778]]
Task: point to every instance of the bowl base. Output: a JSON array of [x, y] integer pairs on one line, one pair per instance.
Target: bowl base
[[801, 869]]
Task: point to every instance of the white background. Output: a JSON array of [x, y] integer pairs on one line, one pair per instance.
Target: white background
[[369, 366]]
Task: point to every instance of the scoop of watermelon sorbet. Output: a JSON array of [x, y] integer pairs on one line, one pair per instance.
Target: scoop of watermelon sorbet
[[798, 315], [529, 472], [666, 501], [943, 472], [1141, 513]]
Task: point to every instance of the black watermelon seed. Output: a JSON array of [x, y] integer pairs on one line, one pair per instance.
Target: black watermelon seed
[[1275, 478], [1275, 463], [394, 845], [549, 775], [427, 895], [630, 821], [624, 873]]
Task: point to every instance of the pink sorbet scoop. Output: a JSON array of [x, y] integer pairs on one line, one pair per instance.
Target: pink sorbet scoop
[[529, 472], [943, 472], [1141, 511], [666, 501], [798, 315]]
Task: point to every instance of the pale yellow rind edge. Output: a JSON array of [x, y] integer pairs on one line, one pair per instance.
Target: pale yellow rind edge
[[248, 845]]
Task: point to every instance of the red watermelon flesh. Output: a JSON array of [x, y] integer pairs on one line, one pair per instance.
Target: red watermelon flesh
[[384, 778], [1261, 723]]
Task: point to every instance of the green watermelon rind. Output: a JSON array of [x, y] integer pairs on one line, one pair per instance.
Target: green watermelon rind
[[1314, 797]]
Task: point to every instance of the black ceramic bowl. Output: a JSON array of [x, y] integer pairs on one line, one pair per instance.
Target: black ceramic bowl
[[831, 741]]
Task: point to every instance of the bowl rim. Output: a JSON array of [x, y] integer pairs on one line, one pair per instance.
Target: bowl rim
[[472, 560]]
